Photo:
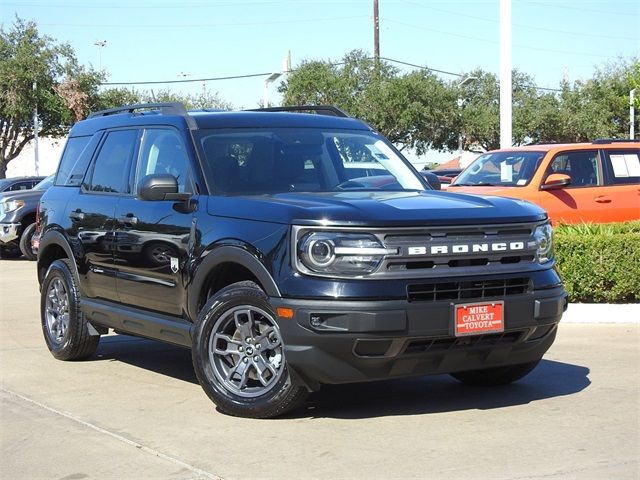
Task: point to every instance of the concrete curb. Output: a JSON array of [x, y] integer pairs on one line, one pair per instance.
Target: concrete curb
[[602, 313]]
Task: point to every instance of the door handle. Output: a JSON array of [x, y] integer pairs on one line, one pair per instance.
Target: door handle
[[76, 214], [128, 219], [603, 199]]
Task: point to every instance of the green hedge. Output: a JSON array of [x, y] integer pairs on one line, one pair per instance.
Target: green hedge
[[600, 263]]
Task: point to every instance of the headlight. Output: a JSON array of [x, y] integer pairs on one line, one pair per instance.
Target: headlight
[[338, 253], [9, 206], [544, 239]]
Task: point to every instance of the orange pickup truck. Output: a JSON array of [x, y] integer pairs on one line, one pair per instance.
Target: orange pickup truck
[[595, 182]]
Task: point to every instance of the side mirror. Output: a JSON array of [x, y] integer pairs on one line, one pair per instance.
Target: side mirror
[[556, 181], [432, 179], [160, 186]]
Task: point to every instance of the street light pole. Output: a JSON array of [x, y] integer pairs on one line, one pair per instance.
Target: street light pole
[[632, 114], [100, 44], [36, 158], [265, 95], [506, 133]]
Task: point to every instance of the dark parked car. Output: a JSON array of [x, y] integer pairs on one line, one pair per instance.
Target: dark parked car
[[446, 175], [18, 219], [18, 183], [241, 236]]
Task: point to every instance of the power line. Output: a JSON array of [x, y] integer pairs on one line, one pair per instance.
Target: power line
[[191, 80], [254, 75], [580, 9], [495, 42], [204, 25], [519, 25]]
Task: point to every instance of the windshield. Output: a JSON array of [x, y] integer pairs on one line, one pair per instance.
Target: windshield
[[302, 160], [46, 183], [507, 169]]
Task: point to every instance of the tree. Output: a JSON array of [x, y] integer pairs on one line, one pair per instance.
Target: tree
[[411, 110], [35, 71], [115, 97], [599, 107]]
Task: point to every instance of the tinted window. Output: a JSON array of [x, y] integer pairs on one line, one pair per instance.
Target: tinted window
[[581, 166], [162, 151], [72, 168], [20, 186], [623, 166], [111, 168]]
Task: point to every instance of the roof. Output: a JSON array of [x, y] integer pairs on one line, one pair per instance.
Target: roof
[[219, 119], [546, 147]]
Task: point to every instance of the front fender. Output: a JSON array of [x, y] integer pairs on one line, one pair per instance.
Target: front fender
[[228, 254]]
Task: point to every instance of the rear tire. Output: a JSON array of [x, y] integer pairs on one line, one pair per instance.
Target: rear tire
[[65, 329], [238, 355], [490, 377], [25, 242]]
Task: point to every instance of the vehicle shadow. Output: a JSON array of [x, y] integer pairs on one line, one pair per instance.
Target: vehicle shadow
[[150, 355], [409, 396], [442, 393]]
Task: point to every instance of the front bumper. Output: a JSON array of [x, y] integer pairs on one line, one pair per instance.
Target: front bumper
[[9, 232], [335, 341]]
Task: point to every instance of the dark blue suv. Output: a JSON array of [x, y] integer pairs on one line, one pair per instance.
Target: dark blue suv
[[242, 236]]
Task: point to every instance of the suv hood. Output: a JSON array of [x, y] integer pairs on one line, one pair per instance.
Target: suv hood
[[377, 208]]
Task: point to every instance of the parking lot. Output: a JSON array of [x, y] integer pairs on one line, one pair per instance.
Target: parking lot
[[136, 411]]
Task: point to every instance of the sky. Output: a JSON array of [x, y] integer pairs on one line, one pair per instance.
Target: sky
[[161, 40], [166, 40]]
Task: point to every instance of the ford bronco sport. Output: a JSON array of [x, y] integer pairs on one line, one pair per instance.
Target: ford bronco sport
[[241, 236]]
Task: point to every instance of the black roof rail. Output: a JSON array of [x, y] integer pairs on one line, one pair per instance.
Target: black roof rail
[[319, 109], [173, 108], [600, 141]]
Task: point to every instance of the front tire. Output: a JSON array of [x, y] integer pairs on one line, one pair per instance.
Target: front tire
[[25, 242], [490, 377], [238, 355], [65, 329]]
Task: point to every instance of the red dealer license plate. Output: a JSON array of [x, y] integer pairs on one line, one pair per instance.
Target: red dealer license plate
[[479, 318]]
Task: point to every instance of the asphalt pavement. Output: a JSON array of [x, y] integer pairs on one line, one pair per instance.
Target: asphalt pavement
[[135, 411]]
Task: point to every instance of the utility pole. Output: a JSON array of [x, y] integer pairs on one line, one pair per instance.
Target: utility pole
[[35, 129], [376, 31], [506, 134], [632, 114]]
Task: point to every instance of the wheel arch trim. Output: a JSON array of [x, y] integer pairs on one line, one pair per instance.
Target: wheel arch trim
[[228, 254], [55, 238]]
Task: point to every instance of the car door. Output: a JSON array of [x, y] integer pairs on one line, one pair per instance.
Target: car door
[[92, 212], [622, 184], [152, 237], [580, 200]]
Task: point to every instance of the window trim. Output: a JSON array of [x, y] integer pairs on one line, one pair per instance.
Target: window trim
[[133, 173], [94, 158], [572, 187], [609, 179]]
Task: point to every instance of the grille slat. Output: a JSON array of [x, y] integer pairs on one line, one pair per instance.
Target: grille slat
[[436, 291]]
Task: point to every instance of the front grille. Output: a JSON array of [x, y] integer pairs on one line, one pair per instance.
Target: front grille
[[473, 289], [422, 249], [448, 343]]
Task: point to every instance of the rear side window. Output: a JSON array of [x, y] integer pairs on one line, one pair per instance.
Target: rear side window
[[581, 166], [111, 168], [73, 163], [623, 166]]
